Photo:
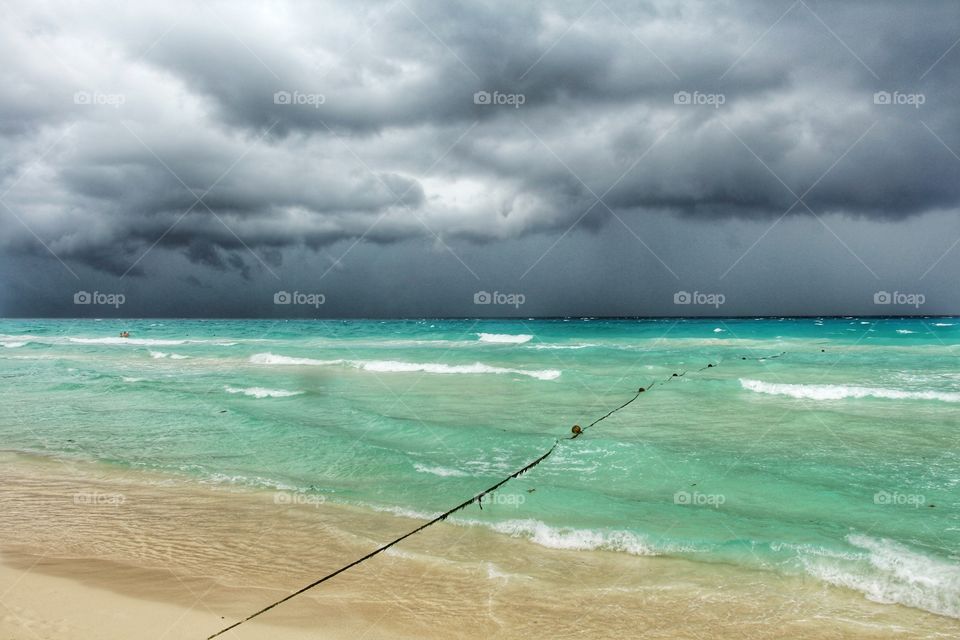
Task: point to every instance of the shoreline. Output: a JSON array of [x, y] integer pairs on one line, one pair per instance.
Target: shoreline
[[201, 557]]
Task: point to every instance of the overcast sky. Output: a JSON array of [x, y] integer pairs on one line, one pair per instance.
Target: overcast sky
[[400, 158]]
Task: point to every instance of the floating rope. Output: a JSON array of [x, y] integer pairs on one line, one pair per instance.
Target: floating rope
[[478, 498]]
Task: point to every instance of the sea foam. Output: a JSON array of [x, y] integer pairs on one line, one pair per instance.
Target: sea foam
[[889, 572], [393, 366], [840, 392], [570, 538], [504, 338], [261, 392], [439, 471]]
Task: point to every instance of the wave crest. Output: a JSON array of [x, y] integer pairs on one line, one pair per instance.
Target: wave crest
[[840, 392], [261, 392], [394, 366], [504, 338]]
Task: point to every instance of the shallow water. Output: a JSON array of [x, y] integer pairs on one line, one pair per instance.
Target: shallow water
[[821, 464]]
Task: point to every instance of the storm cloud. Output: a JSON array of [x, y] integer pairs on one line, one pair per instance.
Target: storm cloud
[[249, 139]]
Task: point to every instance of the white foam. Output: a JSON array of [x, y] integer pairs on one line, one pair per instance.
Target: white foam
[[126, 379], [393, 366], [585, 345], [905, 331], [504, 338], [889, 572], [173, 356], [390, 366], [840, 392], [405, 513], [261, 392], [719, 330], [943, 324], [439, 471], [15, 344], [569, 538]]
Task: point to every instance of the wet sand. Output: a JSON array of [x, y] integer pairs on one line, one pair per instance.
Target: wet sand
[[90, 551]]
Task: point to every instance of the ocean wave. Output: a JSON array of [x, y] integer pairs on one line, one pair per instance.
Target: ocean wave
[[261, 392], [840, 392], [393, 366], [173, 356], [890, 573], [440, 471], [943, 324], [504, 338], [569, 538], [390, 366], [15, 344], [586, 345]]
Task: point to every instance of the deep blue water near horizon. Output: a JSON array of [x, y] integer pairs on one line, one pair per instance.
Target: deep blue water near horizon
[[839, 460]]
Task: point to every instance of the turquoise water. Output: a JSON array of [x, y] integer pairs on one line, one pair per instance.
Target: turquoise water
[[824, 462]]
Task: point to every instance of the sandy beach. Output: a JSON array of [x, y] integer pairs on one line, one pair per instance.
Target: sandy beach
[[92, 552]]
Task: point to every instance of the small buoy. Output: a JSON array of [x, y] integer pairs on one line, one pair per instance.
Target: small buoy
[[709, 365], [576, 429], [674, 375], [743, 357], [823, 350], [641, 390]]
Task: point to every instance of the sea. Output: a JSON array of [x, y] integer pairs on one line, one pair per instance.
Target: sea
[[827, 448]]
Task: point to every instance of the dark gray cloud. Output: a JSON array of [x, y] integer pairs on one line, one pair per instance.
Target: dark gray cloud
[[231, 138]]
